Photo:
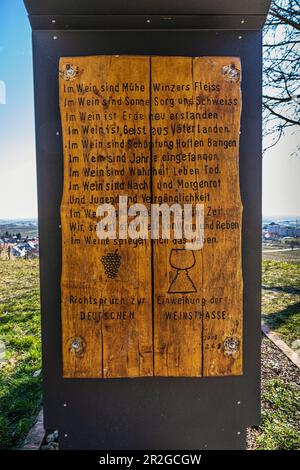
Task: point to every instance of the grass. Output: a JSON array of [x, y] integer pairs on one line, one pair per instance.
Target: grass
[[281, 274], [279, 419], [291, 256], [20, 380], [279, 428], [281, 299]]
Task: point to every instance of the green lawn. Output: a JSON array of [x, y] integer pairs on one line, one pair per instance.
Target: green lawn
[[280, 425], [281, 299], [280, 417], [20, 379]]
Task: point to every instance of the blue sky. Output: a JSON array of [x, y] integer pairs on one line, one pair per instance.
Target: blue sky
[[17, 147]]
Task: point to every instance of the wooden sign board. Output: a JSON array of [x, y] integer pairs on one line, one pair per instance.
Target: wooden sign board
[[156, 130]]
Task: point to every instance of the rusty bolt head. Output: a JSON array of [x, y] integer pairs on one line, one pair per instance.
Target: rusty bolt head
[[76, 343], [77, 346], [231, 346], [69, 72], [231, 73]]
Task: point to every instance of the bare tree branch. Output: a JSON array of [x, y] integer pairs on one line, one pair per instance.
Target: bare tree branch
[[282, 100], [285, 20], [281, 69], [291, 121]]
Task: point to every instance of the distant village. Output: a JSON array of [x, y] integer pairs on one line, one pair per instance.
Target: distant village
[[285, 232], [19, 239], [17, 246]]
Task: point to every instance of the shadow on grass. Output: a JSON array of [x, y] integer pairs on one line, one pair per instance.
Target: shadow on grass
[[286, 290], [21, 399], [286, 322]]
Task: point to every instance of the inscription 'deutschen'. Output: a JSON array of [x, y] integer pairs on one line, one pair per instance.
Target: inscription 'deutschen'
[[158, 130]]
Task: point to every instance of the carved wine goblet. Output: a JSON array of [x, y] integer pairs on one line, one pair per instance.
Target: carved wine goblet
[[182, 260]]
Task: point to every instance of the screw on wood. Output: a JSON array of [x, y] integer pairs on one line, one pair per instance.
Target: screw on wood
[[69, 71], [231, 345], [231, 73], [76, 343], [77, 346]]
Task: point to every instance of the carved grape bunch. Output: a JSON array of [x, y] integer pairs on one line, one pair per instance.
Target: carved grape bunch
[[111, 262]]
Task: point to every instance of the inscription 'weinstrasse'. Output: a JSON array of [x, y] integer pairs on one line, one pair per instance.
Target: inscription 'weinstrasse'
[[159, 130]]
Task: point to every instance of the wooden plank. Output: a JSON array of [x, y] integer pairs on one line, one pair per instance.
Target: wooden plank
[[198, 324], [222, 267], [106, 286], [177, 293]]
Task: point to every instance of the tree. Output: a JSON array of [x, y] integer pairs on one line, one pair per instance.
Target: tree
[[281, 92]]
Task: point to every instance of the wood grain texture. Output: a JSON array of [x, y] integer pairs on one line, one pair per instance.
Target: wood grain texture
[[198, 324], [177, 339], [167, 311], [222, 264], [112, 316]]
